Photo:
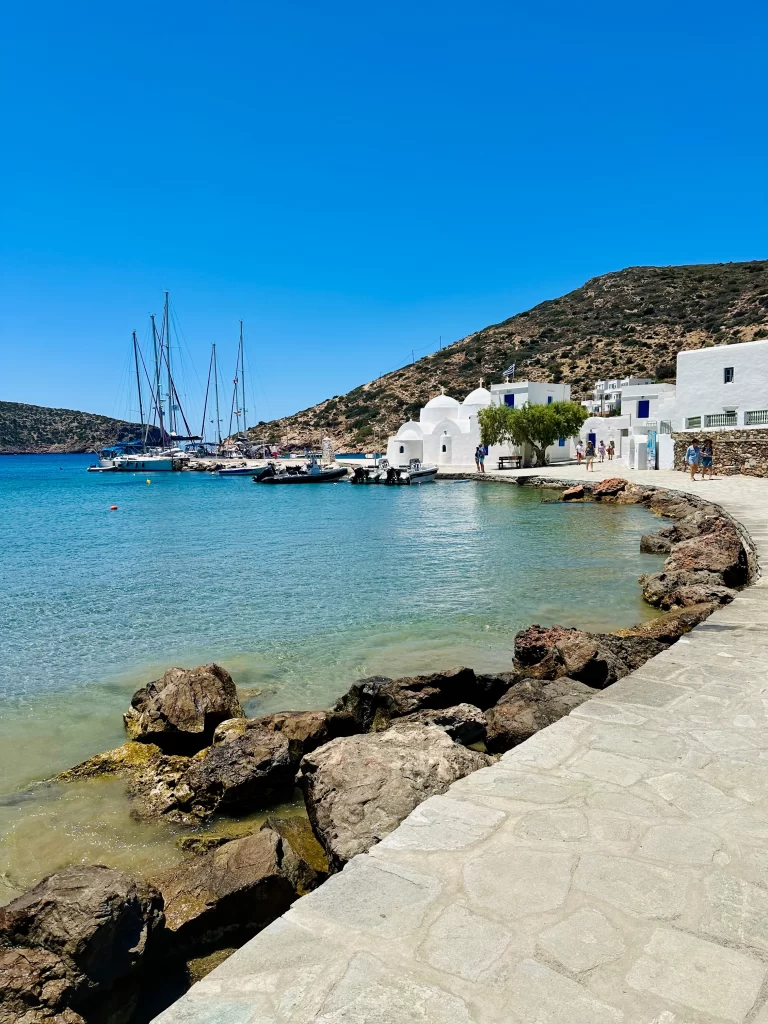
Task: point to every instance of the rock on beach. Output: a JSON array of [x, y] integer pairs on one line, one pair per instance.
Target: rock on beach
[[596, 659], [359, 788], [89, 930], [224, 897], [180, 711], [530, 705]]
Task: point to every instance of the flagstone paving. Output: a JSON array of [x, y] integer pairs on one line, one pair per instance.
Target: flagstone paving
[[613, 869]]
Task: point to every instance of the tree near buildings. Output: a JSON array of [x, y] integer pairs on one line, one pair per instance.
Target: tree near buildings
[[536, 425]]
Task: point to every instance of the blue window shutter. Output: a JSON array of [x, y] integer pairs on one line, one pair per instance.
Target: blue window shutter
[[561, 442], [643, 407], [509, 400]]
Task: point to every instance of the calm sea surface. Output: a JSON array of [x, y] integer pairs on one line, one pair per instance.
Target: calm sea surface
[[296, 590]]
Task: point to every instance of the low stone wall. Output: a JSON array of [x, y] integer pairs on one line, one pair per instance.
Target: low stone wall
[[735, 451]]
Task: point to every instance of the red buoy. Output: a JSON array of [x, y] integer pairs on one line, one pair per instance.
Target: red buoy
[[113, 508]]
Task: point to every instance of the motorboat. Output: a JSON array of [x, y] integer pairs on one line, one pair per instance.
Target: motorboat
[[416, 472], [370, 474], [310, 473]]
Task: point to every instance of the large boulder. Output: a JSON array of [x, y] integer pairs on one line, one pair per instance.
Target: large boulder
[[464, 723], [251, 765], [180, 711], [98, 923], [531, 705], [359, 788], [684, 589], [374, 703], [659, 543], [608, 488], [223, 898], [719, 550], [575, 493], [675, 506], [597, 659]]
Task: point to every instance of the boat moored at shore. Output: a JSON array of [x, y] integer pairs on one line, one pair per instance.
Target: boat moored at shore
[[311, 473], [414, 473]]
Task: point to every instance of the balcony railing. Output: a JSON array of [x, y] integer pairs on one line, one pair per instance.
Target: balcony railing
[[665, 427], [755, 417], [720, 419]]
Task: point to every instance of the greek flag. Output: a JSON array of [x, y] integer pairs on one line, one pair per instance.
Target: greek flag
[[510, 371]]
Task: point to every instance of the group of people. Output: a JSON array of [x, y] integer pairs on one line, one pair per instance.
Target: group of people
[[587, 453], [480, 452], [700, 458]]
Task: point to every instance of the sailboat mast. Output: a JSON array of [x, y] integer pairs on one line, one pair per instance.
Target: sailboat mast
[[216, 393], [138, 388], [158, 395], [242, 376], [167, 326]]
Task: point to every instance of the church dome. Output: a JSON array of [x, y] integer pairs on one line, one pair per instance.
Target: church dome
[[480, 396], [442, 402]]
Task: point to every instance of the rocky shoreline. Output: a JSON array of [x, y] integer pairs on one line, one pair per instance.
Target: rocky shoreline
[[90, 944]]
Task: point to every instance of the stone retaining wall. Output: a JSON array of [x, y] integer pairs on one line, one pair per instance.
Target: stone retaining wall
[[735, 451]]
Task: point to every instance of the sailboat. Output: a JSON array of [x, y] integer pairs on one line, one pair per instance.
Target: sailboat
[[237, 410], [137, 455]]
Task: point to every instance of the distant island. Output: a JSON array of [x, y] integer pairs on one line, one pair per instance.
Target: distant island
[[37, 430]]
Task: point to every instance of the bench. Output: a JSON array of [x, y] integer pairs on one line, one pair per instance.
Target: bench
[[509, 462]]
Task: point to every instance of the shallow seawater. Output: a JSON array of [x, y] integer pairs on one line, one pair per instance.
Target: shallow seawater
[[296, 591]]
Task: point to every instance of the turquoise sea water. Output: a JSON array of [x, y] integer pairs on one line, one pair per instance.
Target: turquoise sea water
[[297, 591]]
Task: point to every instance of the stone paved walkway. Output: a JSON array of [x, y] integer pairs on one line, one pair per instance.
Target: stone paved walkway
[[613, 869]]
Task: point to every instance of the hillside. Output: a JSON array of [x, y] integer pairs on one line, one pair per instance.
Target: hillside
[[35, 429], [631, 321]]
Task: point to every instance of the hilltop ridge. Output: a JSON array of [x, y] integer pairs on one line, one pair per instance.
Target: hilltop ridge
[[631, 321]]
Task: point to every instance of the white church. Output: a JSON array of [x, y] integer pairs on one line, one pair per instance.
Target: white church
[[447, 431]]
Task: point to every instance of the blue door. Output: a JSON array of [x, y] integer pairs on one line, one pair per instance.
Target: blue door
[[643, 407], [509, 400], [592, 437]]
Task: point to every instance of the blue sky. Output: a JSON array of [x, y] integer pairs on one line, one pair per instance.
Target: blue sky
[[353, 180]]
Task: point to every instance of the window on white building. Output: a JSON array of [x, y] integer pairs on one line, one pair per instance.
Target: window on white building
[[728, 375], [692, 422]]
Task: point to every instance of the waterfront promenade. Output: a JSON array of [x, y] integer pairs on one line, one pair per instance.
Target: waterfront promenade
[[613, 869]]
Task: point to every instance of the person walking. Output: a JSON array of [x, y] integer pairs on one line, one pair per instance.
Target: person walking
[[589, 457], [477, 458], [707, 459], [692, 457], [601, 450], [611, 451], [579, 452], [481, 457]]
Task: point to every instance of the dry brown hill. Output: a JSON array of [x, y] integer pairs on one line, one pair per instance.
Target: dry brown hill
[[36, 429], [631, 321]]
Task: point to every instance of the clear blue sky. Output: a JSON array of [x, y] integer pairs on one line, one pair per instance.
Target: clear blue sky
[[354, 180]]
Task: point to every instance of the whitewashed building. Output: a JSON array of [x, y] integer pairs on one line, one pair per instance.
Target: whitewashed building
[[607, 396], [447, 431], [642, 405], [720, 387]]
